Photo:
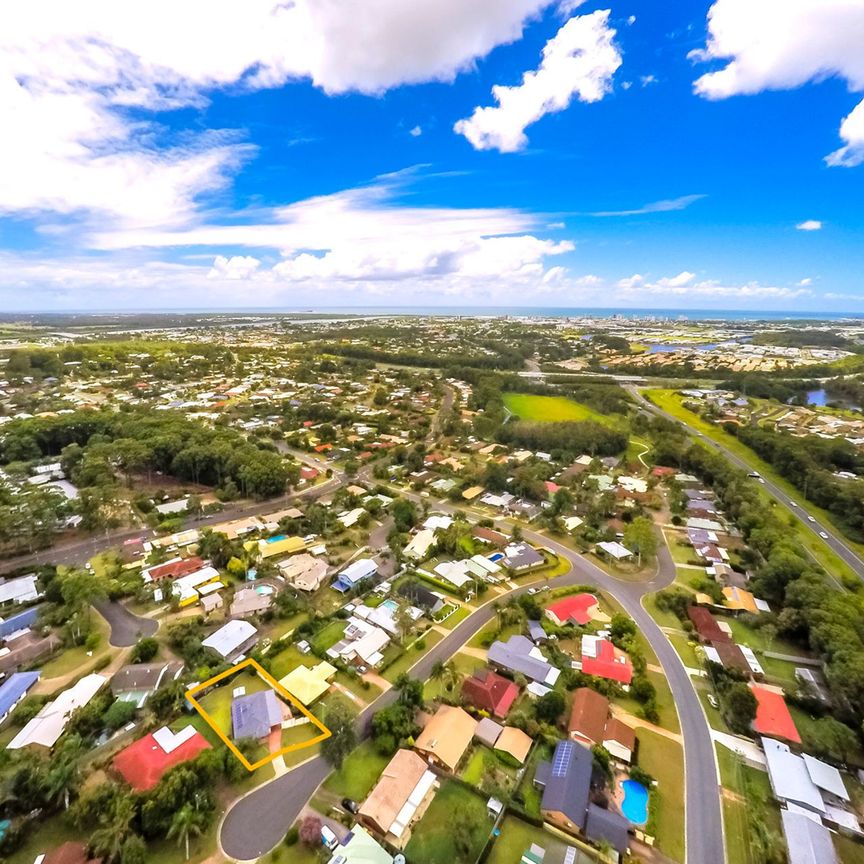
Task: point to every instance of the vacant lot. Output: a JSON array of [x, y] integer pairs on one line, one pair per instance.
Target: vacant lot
[[551, 409]]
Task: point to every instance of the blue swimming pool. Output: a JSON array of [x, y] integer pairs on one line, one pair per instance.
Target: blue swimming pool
[[497, 556], [635, 803], [392, 605]]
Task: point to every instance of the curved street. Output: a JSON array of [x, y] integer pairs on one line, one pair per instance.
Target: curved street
[[126, 627], [258, 822]]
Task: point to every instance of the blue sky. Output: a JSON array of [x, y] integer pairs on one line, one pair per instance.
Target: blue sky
[[323, 153]]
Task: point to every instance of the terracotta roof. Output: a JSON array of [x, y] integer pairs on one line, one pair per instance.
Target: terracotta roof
[[392, 791], [772, 715], [515, 742], [620, 733], [143, 763], [491, 692], [706, 625], [588, 714], [447, 735]]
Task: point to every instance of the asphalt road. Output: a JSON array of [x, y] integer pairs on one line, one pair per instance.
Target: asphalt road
[[126, 627], [256, 823], [834, 541]]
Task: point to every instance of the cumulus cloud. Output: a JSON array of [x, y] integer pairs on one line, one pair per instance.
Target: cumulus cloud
[[69, 77], [416, 132], [235, 267], [809, 225], [782, 44], [579, 61], [686, 283]]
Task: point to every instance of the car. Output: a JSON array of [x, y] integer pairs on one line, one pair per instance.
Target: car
[[533, 590], [762, 480], [823, 535], [712, 700], [754, 474], [811, 518], [328, 838], [304, 647], [792, 504], [349, 805]]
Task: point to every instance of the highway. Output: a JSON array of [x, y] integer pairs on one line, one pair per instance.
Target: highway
[[833, 541], [256, 823]]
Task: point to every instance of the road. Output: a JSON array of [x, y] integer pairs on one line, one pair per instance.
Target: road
[[834, 541], [256, 823], [126, 628]]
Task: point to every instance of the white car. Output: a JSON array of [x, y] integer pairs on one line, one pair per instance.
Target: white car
[[712, 700], [793, 504], [823, 535], [811, 518]]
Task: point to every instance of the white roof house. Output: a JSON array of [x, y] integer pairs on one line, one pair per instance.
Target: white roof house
[[434, 522], [802, 780], [362, 642], [351, 517], [615, 550], [420, 544], [808, 842], [48, 725], [20, 590], [232, 638]]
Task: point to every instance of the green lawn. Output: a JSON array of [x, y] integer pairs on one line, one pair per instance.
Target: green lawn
[[465, 665], [664, 761], [76, 659], [849, 851], [663, 619], [328, 636], [736, 831], [432, 840], [456, 618], [517, 836], [686, 650], [412, 654], [358, 774], [552, 409], [484, 765]]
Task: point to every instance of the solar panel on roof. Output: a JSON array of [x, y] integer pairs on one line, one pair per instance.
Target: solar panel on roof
[[561, 760]]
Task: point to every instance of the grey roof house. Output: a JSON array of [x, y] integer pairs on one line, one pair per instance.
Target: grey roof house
[[137, 681], [255, 715], [519, 654]]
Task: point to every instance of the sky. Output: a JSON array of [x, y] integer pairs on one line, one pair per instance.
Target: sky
[[381, 153]]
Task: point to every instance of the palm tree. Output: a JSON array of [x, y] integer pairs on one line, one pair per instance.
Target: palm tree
[[107, 840], [64, 773], [187, 822]]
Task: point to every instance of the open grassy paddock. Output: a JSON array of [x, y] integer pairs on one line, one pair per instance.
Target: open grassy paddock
[[551, 409]]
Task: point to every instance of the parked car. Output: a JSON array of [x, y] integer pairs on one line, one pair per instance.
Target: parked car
[[349, 805], [328, 838], [811, 518], [712, 700]]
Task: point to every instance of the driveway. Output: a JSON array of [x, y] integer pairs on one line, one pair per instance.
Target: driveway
[[126, 627], [256, 823]]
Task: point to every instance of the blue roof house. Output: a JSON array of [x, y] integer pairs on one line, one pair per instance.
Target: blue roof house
[[13, 690]]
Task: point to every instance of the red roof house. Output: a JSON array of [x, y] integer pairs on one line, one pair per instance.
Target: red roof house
[[307, 472], [772, 715], [706, 625], [143, 763], [588, 716], [70, 853], [176, 568], [601, 658], [576, 608], [490, 692]]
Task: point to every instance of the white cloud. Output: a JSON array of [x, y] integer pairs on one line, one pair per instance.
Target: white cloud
[[579, 61], [631, 20], [685, 284], [416, 132], [647, 80], [235, 267], [665, 206], [805, 282], [809, 225], [782, 44], [69, 75]]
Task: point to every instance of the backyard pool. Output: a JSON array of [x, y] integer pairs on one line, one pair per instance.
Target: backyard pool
[[497, 556], [635, 803], [392, 605]]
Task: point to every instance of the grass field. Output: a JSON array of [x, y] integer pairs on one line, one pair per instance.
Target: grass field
[[432, 840], [664, 761], [670, 402], [517, 836], [358, 774], [76, 659], [552, 409]]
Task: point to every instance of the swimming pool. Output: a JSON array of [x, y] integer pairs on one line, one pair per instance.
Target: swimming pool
[[497, 556], [392, 605], [635, 803]]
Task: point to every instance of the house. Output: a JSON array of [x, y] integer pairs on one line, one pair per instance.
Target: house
[[173, 569], [307, 684], [438, 522], [601, 658], [21, 590], [232, 639], [399, 799], [304, 572], [566, 785], [359, 847], [143, 763], [420, 544], [515, 743], [590, 725], [519, 655], [488, 731], [351, 517], [251, 601], [24, 648], [137, 681], [772, 715], [69, 853], [706, 625], [187, 588], [211, 602], [19, 623], [256, 715], [807, 842], [521, 556], [361, 643], [728, 655], [446, 737], [575, 609], [490, 535], [354, 573], [279, 545], [421, 596], [740, 600], [490, 692], [48, 725], [803, 781], [13, 690], [615, 550], [472, 492]]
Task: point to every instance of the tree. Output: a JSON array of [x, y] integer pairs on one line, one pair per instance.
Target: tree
[[829, 737], [550, 706], [145, 650], [410, 691], [641, 538], [119, 714], [391, 727], [341, 720], [80, 589], [187, 822], [64, 773], [739, 707], [380, 397], [115, 826], [404, 514], [310, 832], [134, 850]]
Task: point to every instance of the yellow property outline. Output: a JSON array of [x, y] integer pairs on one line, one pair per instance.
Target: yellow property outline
[[266, 676]]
